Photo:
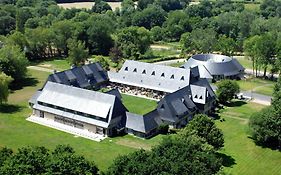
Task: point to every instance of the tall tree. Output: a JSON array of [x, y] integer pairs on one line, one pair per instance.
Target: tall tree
[[226, 90], [133, 41], [226, 45], [77, 52], [204, 127], [199, 41], [100, 6], [4, 90], [13, 62]]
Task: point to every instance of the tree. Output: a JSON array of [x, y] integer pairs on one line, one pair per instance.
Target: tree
[[115, 54], [270, 8], [77, 52], [173, 155], [169, 5], [204, 127], [249, 49], [276, 100], [39, 160], [265, 127], [142, 4], [100, 6], [133, 41], [226, 45], [149, 17], [199, 41], [23, 14], [4, 89], [13, 62], [99, 31], [7, 24], [227, 89]]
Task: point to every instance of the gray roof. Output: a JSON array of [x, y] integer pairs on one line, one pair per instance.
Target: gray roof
[[102, 106], [214, 64], [151, 76], [176, 105], [143, 123], [90, 75], [34, 97]]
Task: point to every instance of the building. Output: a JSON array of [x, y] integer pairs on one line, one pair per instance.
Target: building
[[90, 76], [216, 67], [69, 98], [96, 112]]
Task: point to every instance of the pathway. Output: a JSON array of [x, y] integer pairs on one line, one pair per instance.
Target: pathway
[[260, 73], [40, 69]]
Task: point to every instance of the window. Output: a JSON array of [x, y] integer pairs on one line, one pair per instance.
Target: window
[[153, 73], [195, 96], [201, 97], [182, 78], [135, 70], [41, 114], [172, 77], [144, 72], [162, 75], [126, 69]]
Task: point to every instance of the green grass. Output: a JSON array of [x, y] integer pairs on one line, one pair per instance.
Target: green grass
[[138, 105], [178, 64], [245, 62], [54, 64], [243, 155], [257, 85]]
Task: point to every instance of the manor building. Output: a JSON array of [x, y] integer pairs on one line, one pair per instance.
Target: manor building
[[70, 100]]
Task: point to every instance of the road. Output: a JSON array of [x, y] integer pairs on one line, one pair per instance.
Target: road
[[260, 73]]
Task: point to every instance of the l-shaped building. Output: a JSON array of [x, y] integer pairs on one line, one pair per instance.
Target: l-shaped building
[[70, 98]]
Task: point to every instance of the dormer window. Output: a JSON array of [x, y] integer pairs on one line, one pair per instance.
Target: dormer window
[[201, 97], [135, 70], [172, 77], [195, 96], [144, 72], [182, 78], [153, 73], [126, 69], [162, 75]]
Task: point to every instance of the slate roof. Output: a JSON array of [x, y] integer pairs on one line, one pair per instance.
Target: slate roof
[[80, 101], [143, 123], [214, 64], [176, 105], [151, 76], [89, 75]]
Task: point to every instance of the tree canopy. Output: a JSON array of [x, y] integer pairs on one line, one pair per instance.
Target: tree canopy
[[4, 87], [226, 91]]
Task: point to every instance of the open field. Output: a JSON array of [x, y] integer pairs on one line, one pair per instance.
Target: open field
[[53, 64], [257, 85], [138, 105], [242, 155]]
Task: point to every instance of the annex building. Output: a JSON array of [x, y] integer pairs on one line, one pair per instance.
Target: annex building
[[216, 67], [87, 100]]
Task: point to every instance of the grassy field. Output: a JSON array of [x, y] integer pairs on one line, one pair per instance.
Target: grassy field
[[257, 85], [138, 105], [242, 155], [53, 64]]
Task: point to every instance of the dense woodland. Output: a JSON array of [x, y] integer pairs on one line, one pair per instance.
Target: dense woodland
[[36, 30]]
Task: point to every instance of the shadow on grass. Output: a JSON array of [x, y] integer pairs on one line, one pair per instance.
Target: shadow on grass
[[236, 103], [227, 161], [272, 144], [9, 108], [28, 81]]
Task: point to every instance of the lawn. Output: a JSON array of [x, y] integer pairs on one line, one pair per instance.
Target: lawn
[[257, 85], [178, 64], [54, 64], [242, 156], [138, 105]]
